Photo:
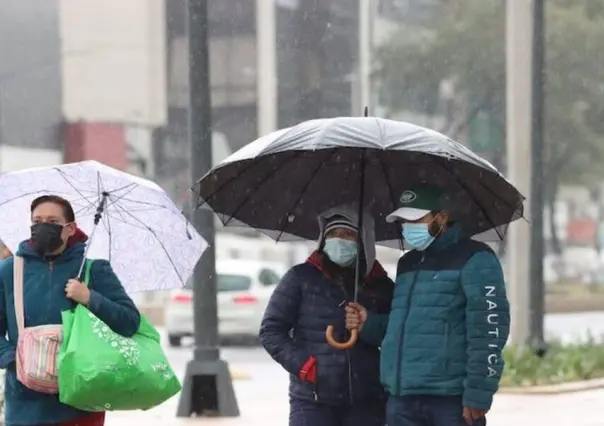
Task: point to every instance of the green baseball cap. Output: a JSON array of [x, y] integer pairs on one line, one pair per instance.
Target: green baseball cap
[[416, 203]]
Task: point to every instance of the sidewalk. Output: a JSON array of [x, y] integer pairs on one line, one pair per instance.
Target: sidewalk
[[578, 409]]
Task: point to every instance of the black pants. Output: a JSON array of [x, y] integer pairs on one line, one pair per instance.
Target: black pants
[[304, 413], [427, 411]]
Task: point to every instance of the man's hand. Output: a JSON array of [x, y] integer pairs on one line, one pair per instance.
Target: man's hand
[[471, 415], [356, 316], [77, 291]]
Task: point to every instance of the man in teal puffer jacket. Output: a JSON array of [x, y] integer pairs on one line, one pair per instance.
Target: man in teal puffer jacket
[[441, 344]]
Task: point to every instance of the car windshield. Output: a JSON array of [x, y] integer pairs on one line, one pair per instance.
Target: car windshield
[[233, 282]]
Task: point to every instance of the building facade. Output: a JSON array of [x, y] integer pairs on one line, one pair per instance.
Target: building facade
[[81, 79]]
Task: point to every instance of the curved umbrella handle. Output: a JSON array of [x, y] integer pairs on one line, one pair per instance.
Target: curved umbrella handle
[[354, 336]]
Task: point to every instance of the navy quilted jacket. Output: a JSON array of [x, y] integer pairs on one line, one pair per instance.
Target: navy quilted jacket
[[304, 303]]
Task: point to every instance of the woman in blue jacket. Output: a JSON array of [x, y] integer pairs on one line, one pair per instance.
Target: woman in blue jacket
[[52, 257], [329, 387]]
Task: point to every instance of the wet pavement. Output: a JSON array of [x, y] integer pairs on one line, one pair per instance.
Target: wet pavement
[[263, 398]]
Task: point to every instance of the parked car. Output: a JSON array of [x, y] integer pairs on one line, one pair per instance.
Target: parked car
[[244, 288]]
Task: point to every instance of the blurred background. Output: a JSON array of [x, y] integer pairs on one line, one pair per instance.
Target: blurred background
[[108, 80]]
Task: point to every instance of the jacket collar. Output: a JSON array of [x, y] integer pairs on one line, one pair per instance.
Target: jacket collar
[[451, 236]]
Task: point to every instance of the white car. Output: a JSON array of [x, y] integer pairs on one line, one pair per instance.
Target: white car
[[244, 288]]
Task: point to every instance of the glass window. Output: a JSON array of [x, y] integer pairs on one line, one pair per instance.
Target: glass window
[[233, 282], [268, 277]]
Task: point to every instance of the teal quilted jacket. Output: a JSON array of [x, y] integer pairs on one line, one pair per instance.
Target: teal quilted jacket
[[448, 325]]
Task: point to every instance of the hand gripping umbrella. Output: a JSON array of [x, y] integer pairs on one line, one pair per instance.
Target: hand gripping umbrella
[[279, 183]]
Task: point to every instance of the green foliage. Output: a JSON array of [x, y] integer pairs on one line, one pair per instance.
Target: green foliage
[[467, 44], [562, 363]]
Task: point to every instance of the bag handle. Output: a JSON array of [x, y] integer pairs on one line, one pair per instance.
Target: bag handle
[[18, 292], [87, 269]]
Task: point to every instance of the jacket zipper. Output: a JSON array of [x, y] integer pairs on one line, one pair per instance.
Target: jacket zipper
[[401, 336], [51, 266]]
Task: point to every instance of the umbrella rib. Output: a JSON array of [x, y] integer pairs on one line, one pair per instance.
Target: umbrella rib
[[392, 196], [157, 238], [460, 181], [107, 226], [116, 214], [62, 174], [251, 165], [330, 153], [262, 181]]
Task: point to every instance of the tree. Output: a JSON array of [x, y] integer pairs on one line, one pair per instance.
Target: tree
[[467, 45]]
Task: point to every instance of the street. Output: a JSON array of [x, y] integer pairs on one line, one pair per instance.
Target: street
[[263, 398]]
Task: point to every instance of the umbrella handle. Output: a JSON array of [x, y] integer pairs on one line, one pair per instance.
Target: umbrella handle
[[354, 336]]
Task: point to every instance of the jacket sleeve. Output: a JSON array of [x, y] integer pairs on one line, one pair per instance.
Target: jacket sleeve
[[7, 350], [374, 329], [487, 328], [109, 301], [279, 320]]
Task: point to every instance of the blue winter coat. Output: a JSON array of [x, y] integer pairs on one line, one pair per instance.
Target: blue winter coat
[[304, 303], [449, 322], [44, 299]]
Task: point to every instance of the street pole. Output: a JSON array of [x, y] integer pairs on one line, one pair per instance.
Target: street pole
[[537, 293], [519, 35], [366, 8], [207, 387], [266, 60]]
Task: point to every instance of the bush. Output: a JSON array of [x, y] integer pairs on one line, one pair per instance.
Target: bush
[[561, 364]]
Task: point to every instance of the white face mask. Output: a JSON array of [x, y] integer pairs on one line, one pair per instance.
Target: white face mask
[[340, 251]]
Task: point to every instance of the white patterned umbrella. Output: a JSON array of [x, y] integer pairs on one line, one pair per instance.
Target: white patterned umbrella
[[147, 239]]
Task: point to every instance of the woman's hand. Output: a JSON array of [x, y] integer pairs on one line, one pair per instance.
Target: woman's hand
[[77, 291], [356, 315]]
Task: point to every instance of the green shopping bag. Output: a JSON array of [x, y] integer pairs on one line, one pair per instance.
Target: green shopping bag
[[99, 370]]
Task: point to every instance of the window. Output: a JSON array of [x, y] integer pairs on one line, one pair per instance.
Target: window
[[268, 277], [232, 282]]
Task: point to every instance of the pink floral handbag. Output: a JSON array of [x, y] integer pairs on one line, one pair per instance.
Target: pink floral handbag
[[37, 347]]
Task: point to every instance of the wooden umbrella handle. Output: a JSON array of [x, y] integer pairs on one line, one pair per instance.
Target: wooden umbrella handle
[[354, 336]]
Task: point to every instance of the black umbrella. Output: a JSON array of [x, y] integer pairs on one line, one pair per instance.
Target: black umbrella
[[281, 182]]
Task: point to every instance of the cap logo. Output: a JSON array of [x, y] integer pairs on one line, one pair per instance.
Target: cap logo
[[407, 197]]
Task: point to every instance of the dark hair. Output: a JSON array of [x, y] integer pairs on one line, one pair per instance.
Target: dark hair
[[59, 201]]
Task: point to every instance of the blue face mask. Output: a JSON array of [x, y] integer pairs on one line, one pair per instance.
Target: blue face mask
[[417, 235], [341, 252]]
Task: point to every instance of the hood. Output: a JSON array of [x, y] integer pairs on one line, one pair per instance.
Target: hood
[[367, 236]]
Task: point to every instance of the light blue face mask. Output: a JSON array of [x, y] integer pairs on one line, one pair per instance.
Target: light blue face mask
[[341, 252], [417, 235]]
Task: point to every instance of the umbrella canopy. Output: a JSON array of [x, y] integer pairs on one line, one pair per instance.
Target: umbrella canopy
[[149, 242], [279, 183]]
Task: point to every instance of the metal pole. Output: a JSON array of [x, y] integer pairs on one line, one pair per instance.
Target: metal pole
[[207, 388], [518, 133], [365, 56], [200, 134], [537, 292], [266, 60]]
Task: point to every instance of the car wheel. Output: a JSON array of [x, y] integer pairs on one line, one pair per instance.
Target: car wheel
[[174, 341]]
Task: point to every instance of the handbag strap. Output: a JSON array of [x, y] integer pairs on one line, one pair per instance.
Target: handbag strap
[[18, 288], [18, 292]]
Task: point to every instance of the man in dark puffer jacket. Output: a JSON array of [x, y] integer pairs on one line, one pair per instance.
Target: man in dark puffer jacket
[[329, 387]]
